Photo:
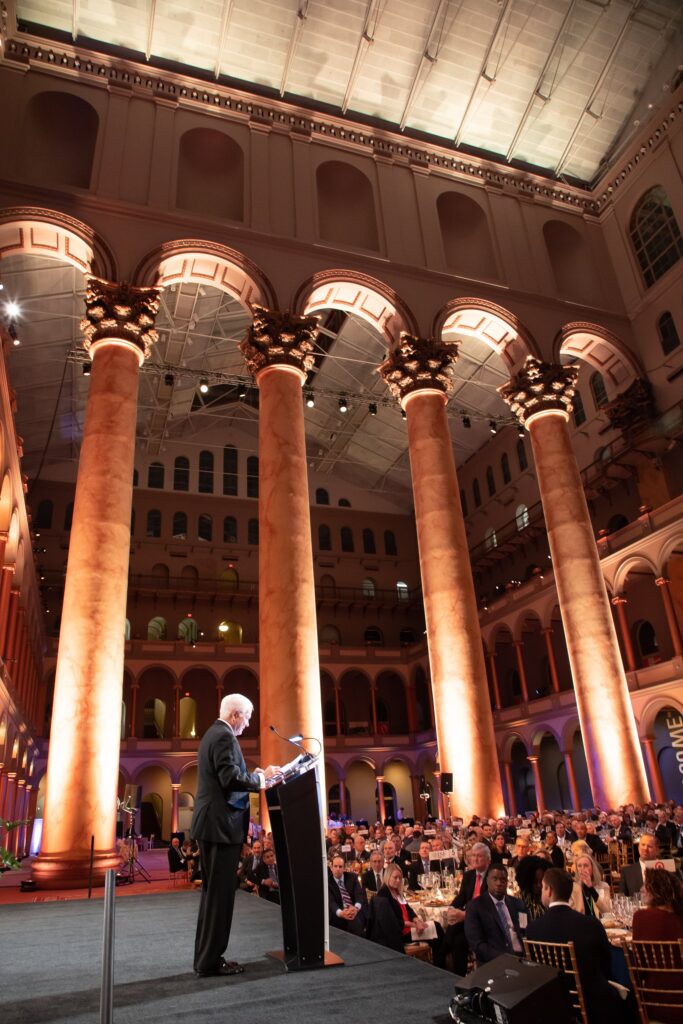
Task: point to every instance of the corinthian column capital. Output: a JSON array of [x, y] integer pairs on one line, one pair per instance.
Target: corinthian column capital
[[540, 387], [120, 312], [280, 339], [418, 364]]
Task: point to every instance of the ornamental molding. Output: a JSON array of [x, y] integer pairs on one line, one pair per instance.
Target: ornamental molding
[[539, 387], [418, 364], [280, 339], [633, 409], [121, 312]]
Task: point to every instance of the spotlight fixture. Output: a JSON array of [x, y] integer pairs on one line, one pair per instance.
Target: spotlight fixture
[[343, 404], [203, 386], [493, 426], [372, 409], [466, 422], [87, 367], [12, 331], [168, 380], [310, 400], [520, 430], [242, 394], [403, 413], [12, 310]]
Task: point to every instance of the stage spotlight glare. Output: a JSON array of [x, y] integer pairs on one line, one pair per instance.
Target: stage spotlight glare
[[520, 430], [310, 400], [203, 386], [404, 413], [12, 310], [87, 367], [493, 426], [242, 393], [343, 404]]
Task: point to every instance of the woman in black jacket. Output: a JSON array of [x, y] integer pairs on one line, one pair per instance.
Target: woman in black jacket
[[391, 919]]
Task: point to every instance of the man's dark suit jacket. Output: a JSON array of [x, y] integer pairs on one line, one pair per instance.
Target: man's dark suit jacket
[[176, 861], [595, 842], [267, 892], [221, 809], [666, 834], [466, 893], [335, 901], [486, 936], [631, 879], [402, 864], [415, 869], [369, 881], [556, 857], [593, 956]]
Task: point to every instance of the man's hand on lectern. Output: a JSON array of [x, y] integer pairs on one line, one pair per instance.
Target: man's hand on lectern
[[271, 771]]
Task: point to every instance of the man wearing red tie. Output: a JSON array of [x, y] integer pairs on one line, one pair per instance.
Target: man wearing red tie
[[473, 885]]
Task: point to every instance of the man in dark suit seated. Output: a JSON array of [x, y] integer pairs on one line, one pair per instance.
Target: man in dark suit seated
[[472, 886], [347, 902], [495, 923], [391, 857], [176, 861], [266, 879], [595, 842], [248, 867], [631, 876], [420, 866], [358, 851], [593, 954], [372, 877]]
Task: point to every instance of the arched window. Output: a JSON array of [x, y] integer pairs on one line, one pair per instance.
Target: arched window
[[252, 532], [522, 456], [153, 523], [210, 174], [252, 476], [466, 237], [344, 503], [205, 527], [505, 468], [522, 517], [407, 637], [373, 636], [206, 472], [463, 501], [390, 547], [490, 539], [578, 409], [229, 470], [155, 475], [668, 335], [324, 538], [617, 522], [490, 482], [188, 631], [327, 586], [181, 474], [402, 591], [655, 235], [347, 538], [43, 518], [647, 639], [59, 137], [68, 515], [369, 546], [156, 628], [330, 635], [322, 497], [346, 206], [368, 588], [229, 530], [598, 390], [179, 526], [476, 492]]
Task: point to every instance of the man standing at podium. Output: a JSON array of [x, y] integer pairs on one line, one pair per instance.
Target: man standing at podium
[[220, 823]]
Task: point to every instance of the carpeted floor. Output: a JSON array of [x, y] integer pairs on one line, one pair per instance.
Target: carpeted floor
[[50, 970]]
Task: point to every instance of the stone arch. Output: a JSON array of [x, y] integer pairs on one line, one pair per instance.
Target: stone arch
[[508, 743], [602, 350], [199, 683], [627, 566], [37, 231], [6, 500], [210, 174], [567, 733], [364, 296], [354, 687], [347, 215], [207, 263], [496, 326], [542, 730], [646, 721], [673, 546], [466, 236], [151, 762], [572, 262], [59, 137], [391, 694], [525, 616]]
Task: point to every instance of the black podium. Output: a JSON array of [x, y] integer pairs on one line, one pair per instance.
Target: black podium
[[294, 809]]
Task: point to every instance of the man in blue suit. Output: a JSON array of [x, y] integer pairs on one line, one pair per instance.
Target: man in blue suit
[[220, 823], [495, 922]]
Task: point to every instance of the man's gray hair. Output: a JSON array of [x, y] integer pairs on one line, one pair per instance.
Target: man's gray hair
[[482, 848], [235, 702]]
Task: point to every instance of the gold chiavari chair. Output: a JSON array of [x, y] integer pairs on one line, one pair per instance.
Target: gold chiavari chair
[[562, 957], [651, 965]]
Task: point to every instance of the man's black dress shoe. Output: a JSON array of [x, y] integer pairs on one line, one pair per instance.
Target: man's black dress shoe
[[223, 969]]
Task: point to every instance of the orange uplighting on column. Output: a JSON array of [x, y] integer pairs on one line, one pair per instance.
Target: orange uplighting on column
[[418, 373], [278, 353], [83, 762], [540, 395]]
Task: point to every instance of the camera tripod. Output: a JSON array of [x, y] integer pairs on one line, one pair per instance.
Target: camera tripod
[[133, 866]]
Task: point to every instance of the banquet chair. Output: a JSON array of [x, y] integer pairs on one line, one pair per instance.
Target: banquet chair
[[650, 966], [562, 957]]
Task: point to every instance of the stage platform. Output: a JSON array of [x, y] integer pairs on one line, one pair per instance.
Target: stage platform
[[50, 970]]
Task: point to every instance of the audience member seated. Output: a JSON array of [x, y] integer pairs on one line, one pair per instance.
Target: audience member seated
[[529, 876], [248, 867], [495, 922], [347, 902], [554, 852], [499, 851], [666, 832], [591, 946], [176, 861], [359, 853], [591, 895], [265, 876], [631, 875], [420, 866], [391, 917], [661, 921], [521, 850], [372, 876], [594, 841], [391, 857], [472, 886]]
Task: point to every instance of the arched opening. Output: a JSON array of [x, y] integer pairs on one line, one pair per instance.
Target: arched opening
[[329, 634], [155, 475], [188, 631], [655, 235], [229, 580], [368, 588], [346, 534], [229, 530], [153, 523], [361, 786], [230, 633], [571, 259], [188, 718], [179, 526], [346, 206], [321, 496], [210, 174], [373, 637], [324, 538], [43, 519], [466, 237], [392, 711], [154, 719], [205, 480], [230, 470], [198, 685], [423, 702], [181, 474], [354, 687], [156, 628], [369, 547], [59, 138], [522, 517], [241, 680]]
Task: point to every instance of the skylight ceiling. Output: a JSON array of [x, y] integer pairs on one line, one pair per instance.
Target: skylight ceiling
[[556, 84]]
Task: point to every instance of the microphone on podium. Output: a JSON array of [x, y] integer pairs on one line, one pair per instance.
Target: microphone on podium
[[294, 740]]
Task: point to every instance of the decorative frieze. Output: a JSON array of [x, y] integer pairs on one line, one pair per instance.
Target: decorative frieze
[[280, 339], [419, 363], [538, 387], [119, 311]]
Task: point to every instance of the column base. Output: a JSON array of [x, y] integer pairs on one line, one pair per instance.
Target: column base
[[72, 870]]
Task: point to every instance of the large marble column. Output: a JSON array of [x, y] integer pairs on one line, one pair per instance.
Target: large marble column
[[658, 791], [278, 352], [380, 798], [510, 786], [534, 761], [541, 396], [552, 664], [620, 605], [82, 772], [571, 779], [418, 372], [672, 622]]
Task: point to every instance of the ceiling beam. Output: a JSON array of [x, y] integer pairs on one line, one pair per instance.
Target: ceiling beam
[[225, 21], [606, 68], [536, 93], [373, 13], [301, 16], [430, 55], [74, 19], [150, 27], [506, 6]]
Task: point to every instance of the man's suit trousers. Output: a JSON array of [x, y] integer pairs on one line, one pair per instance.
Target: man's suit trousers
[[219, 880]]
